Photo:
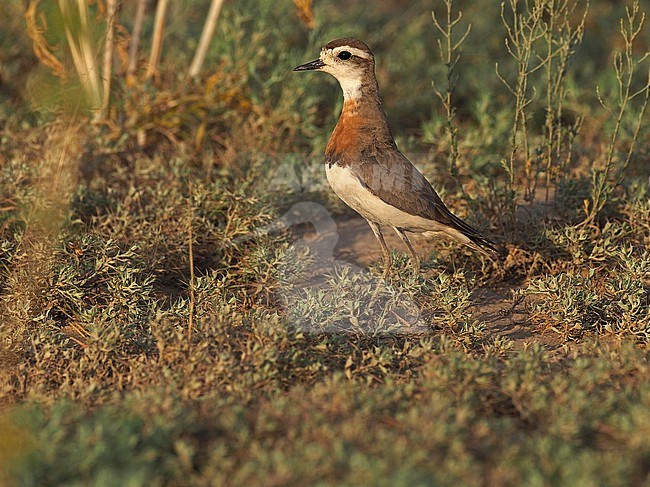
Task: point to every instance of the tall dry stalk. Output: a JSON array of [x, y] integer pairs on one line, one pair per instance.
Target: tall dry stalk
[[206, 37], [157, 40], [190, 232], [109, 46], [80, 40], [134, 43]]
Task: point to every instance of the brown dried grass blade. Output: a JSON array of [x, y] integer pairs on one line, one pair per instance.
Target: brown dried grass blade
[[36, 28]]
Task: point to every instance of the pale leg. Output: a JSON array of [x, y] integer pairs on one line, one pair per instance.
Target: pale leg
[[415, 259], [384, 249]]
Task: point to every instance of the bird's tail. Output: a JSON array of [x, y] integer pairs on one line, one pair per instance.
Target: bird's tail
[[476, 239]]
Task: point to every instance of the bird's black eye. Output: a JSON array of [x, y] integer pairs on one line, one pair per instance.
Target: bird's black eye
[[344, 55]]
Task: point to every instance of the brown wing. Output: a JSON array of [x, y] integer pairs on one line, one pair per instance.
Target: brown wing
[[389, 175]]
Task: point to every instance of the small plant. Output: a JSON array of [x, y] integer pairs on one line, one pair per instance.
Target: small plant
[[571, 304], [533, 27], [574, 304], [524, 28], [452, 310], [562, 40], [626, 64], [351, 301], [449, 47]]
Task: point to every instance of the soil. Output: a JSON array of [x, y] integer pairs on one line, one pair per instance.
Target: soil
[[493, 305]]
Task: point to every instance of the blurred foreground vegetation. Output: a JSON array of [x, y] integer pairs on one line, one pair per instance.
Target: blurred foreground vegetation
[[151, 335]]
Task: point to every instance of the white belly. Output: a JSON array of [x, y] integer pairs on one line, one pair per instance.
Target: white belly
[[356, 196]]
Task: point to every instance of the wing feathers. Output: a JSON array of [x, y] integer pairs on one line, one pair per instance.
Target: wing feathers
[[399, 183]]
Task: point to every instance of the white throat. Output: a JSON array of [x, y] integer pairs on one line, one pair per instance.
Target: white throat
[[351, 88]]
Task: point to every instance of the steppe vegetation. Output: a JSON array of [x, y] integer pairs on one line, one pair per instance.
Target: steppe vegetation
[[172, 313]]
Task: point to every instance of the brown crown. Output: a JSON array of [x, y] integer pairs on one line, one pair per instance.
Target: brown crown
[[348, 41]]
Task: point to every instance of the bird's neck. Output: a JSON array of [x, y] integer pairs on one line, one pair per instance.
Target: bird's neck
[[362, 121], [361, 94]]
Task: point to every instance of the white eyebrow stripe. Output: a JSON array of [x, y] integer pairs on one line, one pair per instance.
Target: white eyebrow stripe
[[352, 50]]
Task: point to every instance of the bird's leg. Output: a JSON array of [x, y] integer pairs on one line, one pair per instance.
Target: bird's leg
[[415, 259], [384, 249]]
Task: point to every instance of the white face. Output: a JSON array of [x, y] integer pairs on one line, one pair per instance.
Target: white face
[[347, 72]]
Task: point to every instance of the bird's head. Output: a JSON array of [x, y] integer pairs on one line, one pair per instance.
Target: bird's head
[[349, 60]]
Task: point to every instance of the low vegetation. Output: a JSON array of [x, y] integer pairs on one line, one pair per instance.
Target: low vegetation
[[176, 299]]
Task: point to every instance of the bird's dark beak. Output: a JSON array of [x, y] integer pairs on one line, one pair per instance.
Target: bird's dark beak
[[317, 64]]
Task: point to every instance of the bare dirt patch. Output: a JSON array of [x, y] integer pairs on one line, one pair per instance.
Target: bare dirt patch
[[493, 305]]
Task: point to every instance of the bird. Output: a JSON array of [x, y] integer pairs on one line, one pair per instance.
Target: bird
[[368, 172]]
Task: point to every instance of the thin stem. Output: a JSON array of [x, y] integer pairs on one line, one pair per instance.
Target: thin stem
[[157, 41], [134, 43], [625, 66], [450, 55], [206, 37], [111, 12], [190, 215]]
